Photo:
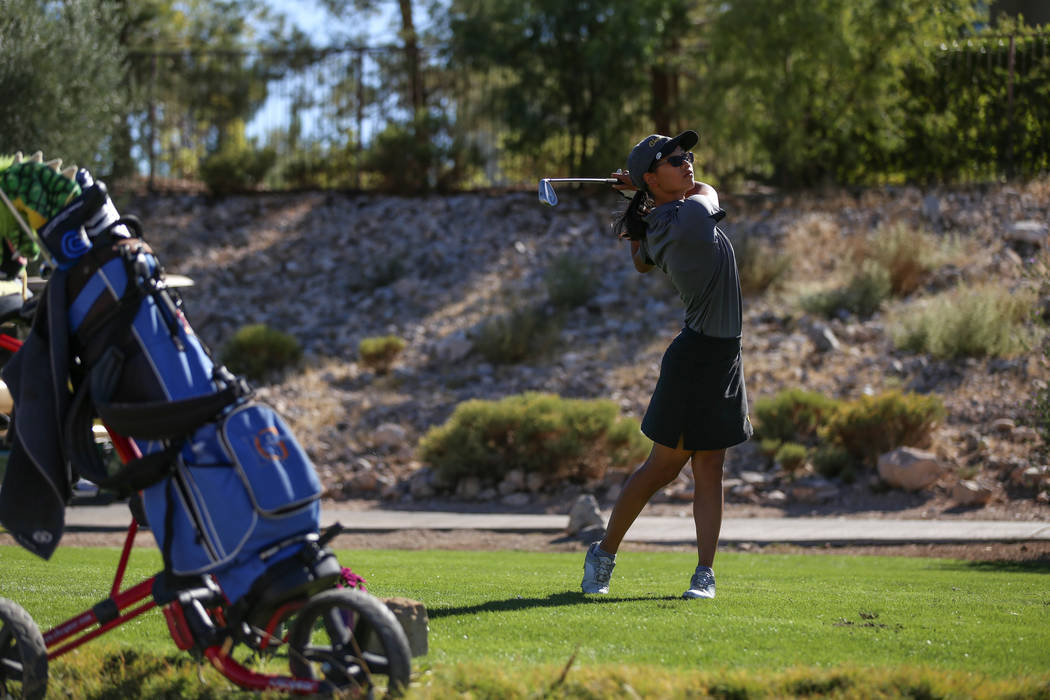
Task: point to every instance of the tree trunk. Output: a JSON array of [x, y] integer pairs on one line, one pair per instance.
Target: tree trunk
[[662, 86], [412, 58]]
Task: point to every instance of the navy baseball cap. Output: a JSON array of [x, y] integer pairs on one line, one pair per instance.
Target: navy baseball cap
[[651, 149]]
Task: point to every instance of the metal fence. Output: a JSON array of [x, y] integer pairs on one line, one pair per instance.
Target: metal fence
[[307, 106], [1011, 77]]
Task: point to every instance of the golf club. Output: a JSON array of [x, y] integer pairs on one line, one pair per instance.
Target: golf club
[[547, 195]]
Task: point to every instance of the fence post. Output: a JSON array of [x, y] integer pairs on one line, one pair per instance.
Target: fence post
[[359, 150], [1010, 109], [152, 118]]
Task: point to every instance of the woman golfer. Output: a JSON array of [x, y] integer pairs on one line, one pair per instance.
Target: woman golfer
[[699, 407]]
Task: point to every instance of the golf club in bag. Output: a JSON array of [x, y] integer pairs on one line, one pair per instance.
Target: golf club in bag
[[547, 195]]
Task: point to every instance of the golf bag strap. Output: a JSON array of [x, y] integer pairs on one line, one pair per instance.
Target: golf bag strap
[[132, 476], [155, 420]]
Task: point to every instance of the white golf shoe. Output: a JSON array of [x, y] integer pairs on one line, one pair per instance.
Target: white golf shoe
[[597, 570], [702, 585]]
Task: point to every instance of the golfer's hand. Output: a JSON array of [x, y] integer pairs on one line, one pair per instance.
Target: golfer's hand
[[624, 186]]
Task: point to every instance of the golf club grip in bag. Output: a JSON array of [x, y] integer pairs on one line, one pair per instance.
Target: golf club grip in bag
[[222, 477]]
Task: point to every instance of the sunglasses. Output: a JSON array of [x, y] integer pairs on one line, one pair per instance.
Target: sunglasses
[[676, 161]]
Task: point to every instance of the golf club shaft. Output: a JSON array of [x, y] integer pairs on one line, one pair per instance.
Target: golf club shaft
[[609, 180]]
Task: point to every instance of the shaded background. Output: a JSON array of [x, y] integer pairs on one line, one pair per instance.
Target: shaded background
[[449, 95]]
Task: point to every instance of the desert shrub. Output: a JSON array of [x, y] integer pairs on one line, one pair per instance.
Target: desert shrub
[[791, 456], [871, 425], [378, 353], [792, 415], [984, 321], [834, 462], [761, 265], [567, 438], [907, 255], [257, 350], [862, 295], [517, 335], [570, 283]]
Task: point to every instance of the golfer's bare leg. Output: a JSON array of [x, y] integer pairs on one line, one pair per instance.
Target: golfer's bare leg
[[660, 469], [707, 502]]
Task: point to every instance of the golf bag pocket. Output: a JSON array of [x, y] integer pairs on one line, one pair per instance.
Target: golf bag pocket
[[241, 487], [277, 474]]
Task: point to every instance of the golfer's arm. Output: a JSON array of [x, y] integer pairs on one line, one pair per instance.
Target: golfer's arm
[[638, 258]]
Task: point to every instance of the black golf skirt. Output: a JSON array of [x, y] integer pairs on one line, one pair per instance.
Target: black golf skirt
[[700, 399]]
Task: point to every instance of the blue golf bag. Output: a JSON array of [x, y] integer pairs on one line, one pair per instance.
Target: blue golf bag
[[226, 488]]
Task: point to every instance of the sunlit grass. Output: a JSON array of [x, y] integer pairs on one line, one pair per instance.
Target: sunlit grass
[[508, 624]]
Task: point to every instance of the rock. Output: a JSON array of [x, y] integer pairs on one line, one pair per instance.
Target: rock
[[361, 482], [1030, 477], [513, 481], [743, 492], [419, 485], [452, 348], [969, 493], [413, 618], [1030, 232], [910, 468], [534, 481], [1003, 426], [754, 478], [389, 435], [823, 338], [682, 493], [584, 513], [813, 489], [516, 500], [1025, 433], [468, 488], [775, 497]]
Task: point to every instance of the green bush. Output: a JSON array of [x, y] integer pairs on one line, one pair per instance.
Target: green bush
[[834, 462], [423, 153], [257, 350], [792, 415], [791, 456], [570, 283], [517, 335], [863, 295], [568, 438], [761, 265], [985, 321], [379, 353], [238, 165], [872, 425]]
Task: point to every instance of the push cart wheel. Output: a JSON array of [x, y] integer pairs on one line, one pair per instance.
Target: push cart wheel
[[352, 642], [23, 654]]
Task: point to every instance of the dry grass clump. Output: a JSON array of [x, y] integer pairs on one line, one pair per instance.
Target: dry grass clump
[[979, 321]]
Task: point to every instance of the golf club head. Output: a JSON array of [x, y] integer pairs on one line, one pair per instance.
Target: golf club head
[[547, 195]]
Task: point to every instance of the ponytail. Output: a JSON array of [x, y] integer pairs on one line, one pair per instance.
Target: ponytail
[[631, 224]]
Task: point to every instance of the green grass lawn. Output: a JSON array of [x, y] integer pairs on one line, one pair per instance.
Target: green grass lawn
[[509, 612]]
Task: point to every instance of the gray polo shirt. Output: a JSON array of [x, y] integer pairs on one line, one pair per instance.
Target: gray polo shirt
[[683, 240]]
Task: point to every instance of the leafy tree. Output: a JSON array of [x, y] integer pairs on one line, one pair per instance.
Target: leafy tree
[[202, 61], [813, 86], [60, 80], [569, 80]]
